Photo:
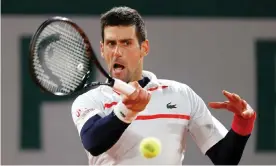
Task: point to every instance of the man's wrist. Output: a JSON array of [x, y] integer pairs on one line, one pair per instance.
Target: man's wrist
[[123, 113], [243, 126]]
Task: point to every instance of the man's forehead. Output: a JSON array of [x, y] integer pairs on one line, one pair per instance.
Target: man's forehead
[[119, 32]]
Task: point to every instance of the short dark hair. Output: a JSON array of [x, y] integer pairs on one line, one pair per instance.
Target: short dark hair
[[124, 16]]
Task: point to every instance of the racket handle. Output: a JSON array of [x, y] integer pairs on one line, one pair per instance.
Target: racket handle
[[123, 87]]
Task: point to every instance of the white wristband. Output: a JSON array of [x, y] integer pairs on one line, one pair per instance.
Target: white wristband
[[123, 113]]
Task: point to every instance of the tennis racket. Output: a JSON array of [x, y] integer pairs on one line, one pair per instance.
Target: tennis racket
[[61, 60]]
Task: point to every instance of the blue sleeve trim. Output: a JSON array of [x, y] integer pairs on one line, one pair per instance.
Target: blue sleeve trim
[[100, 134]]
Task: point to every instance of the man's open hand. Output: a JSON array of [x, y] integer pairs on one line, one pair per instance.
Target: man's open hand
[[234, 104]]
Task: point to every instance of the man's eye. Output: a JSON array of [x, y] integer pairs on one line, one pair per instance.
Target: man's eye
[[111, 43], [126, 43]]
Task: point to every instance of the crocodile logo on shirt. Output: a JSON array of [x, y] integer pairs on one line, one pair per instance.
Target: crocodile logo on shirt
[[171, 106]]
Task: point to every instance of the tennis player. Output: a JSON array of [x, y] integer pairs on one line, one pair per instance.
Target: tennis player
[[112, 125]]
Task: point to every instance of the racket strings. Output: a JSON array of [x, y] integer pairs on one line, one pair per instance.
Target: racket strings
[[65, 59]]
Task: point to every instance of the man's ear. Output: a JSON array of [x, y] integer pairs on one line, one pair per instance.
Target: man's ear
[[145, 48], [102, 48]]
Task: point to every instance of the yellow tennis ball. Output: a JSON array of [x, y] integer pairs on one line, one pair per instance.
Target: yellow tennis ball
[[150, 147]]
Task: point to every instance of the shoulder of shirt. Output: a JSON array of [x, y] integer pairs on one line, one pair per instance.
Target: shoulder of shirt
[[95, 95], [174, 85]]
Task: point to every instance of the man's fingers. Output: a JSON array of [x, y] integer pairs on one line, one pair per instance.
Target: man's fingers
[[233, 109], [229, 96], [148, 97], [135, 84], [138, 100], [244, 104], [129, 99], [235, 104], [142, 95], [136, 93], [139, 95], [236, 98], [224, 105], [247, 114], [232, 96], [218, 105]]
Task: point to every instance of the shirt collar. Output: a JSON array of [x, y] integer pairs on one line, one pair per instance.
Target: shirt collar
[[152, 77]]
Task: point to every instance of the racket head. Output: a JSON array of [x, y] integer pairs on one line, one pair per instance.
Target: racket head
[[61, 57]]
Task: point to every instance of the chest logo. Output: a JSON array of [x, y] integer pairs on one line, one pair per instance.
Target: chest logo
[[171, 106]]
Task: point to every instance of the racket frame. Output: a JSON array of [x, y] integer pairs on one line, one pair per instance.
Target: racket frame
[[112, 82], [89, 53]]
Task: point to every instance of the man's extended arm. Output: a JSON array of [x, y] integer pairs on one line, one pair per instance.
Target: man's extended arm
[[229, 150]]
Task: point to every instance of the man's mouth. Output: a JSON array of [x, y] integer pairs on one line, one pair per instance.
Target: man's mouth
[[117, 68]]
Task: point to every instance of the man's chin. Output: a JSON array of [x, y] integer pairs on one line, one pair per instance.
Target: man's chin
[[120, 78]]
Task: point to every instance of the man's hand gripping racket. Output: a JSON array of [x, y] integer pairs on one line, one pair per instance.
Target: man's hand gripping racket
[[138, 100]]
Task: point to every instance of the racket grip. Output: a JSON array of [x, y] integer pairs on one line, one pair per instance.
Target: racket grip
[[123, 87]]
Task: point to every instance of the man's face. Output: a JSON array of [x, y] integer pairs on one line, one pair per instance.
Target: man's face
[[122, 52]]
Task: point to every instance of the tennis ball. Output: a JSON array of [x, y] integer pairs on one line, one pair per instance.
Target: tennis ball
[[150, 147]]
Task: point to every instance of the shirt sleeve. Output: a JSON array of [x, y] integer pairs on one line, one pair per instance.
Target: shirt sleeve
[[204, 128], [83, 108], [99, 130]]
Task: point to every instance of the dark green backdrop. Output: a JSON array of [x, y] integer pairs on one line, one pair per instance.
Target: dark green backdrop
[[191, 8]]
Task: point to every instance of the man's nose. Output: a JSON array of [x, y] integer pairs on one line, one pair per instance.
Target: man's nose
[[117, 51]]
